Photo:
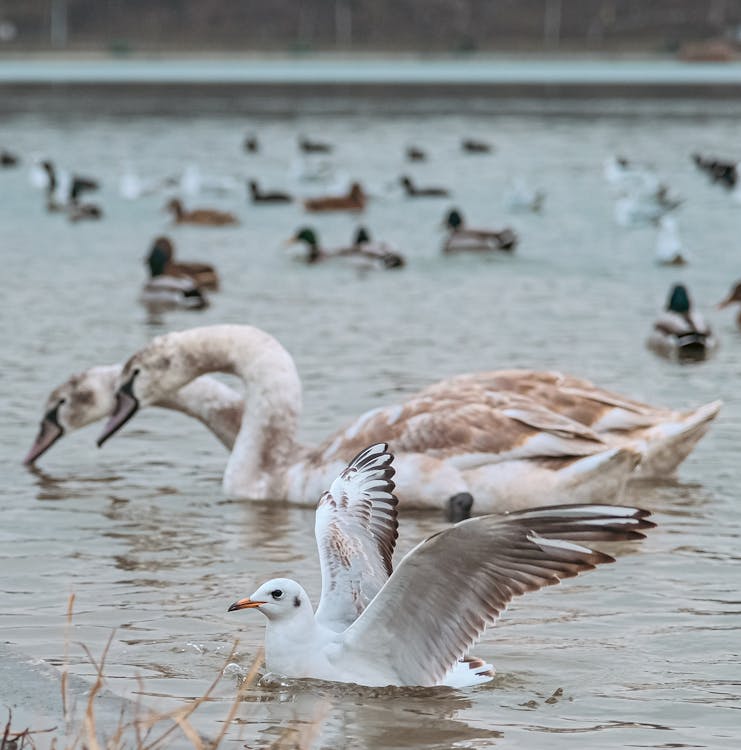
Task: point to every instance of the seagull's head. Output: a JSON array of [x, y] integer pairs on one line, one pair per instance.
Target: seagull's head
[[277, 599]]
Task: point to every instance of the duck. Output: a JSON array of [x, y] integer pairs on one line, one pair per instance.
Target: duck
[[461, 238], [413, 626], [669, 249], [161, 262], [364, 247], [680, 333], [270, 197], [203, 216], [525, 199], [472, 146], [412, 191], [76, 209], [354, 200], [505, 450], [89, 396], [313, 147], [719, 170], [733, 296], [164, 292], [8, 159], [664, 436], [250, 144], [413, 153]]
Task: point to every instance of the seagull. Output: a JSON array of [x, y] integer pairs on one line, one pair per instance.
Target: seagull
[[413, 626]]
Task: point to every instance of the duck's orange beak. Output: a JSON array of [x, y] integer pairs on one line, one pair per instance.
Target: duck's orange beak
[[246, 603]]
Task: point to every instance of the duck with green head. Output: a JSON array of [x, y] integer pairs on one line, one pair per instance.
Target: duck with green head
[[461, 238], [680, 333]]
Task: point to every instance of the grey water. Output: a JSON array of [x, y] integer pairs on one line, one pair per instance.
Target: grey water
[[643, 653]]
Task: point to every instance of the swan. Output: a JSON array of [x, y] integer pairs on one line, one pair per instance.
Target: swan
[[90, 395], [666, 436], [503, 448]]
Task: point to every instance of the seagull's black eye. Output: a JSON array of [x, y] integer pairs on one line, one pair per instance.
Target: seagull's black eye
[[276, 594]]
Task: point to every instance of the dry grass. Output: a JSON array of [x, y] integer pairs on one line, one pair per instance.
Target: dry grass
[[146, 730]]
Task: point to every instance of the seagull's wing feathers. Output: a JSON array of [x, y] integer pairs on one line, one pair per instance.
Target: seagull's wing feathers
[[455, 583], [356, 530]]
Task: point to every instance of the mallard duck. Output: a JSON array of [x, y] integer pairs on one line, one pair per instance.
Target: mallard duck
[[463, 239], [472, 146], [270, 197], [378, 252], [313, 147], [415, 154], [680, 333], [162, 293], [733, 296], [204, 216], [354, 200], [719, 170], [8, 159], [413, 191], [161, 261]]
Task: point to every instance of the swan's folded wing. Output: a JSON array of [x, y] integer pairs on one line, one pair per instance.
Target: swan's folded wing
[[464, 422], [356, 530], [455, 583]]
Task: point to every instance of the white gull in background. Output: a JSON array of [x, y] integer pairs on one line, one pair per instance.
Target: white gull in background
[[414, 626]]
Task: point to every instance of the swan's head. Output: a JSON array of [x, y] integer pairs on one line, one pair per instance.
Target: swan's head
[[159, 369], [277, 599], [85, 398]]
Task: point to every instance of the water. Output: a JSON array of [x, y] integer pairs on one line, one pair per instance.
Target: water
[[646, 652]]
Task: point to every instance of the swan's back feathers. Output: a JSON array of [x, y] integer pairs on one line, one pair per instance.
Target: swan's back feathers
[[420, 624], [465, 421], [356, 529]]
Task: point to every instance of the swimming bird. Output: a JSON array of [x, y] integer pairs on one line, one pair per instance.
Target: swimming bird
[[669, 248], [64, 189], [313, 147], [354, 200], [271, 197], [733, 296], [665, 437], [8, 159], [251, 144], [462, 239], [472, 146], [412, 191], [204, 216], [680, 333], [380, 254], [506, 450], [161, 262], [719, 170], [525, 199], [413, 153], [90, 396], [365, 258], [414, 625]]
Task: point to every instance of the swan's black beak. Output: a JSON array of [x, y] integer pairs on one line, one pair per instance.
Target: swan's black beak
[[126, 406], [49, 432]]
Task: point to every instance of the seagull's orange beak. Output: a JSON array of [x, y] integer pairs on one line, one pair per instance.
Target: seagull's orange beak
[[244, 604]]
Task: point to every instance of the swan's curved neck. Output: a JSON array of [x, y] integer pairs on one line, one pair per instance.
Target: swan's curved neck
[[265, 444]]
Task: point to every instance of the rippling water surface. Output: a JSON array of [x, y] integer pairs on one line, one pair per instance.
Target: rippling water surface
[[644, 653]]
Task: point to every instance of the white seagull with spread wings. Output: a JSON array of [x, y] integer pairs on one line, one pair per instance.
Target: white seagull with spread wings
[[413, 626]]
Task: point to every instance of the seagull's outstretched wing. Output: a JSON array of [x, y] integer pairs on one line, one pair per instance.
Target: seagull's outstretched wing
[[356, 530], [455, 583]]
